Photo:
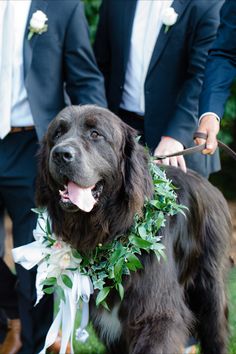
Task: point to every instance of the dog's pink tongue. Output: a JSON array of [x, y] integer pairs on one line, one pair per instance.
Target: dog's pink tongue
[[82, 197]]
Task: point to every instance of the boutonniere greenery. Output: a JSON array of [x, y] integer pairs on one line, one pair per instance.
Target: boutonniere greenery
[[107, 265], [169, 18], [37, 24]]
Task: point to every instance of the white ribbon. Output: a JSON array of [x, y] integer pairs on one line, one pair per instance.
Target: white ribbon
[[29, 255], [39, 253], [65, 318]]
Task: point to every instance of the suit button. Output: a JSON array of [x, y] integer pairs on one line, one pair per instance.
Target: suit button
[[147, 92], [121, 87]]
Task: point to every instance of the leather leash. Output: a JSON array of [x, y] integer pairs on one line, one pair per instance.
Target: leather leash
[[198, 148]]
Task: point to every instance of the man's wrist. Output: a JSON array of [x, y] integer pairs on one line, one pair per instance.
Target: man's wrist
[[209, 114]]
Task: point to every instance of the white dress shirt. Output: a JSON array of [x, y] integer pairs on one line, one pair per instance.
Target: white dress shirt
[[146, 27], [20, 112]]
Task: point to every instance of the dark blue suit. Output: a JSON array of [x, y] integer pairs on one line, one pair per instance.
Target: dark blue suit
[[221, 65], [56, 61], [174, 78]]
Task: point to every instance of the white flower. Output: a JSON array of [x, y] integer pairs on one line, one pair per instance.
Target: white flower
[[38, 20], [37, 23], [169, 17], [65, 261]]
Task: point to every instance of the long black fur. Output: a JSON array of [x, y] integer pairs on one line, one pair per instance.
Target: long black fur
[[167, 300]]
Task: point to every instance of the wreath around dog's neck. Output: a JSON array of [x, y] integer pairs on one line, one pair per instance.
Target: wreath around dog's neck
[[108, 263]]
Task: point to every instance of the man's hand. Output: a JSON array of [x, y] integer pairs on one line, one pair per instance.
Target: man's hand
[[209, 125], [168, 146]]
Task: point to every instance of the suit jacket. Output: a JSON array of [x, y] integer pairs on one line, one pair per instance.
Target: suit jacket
[[174, 78], [58, 61], [221, 64]]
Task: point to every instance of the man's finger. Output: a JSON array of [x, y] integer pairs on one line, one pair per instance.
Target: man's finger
[[157, 161], [199, 141], [211, 143], [206, 152], [173, 161], [182, 164], [165, 161]]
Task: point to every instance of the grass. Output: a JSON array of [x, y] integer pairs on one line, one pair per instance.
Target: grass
[[94, 346], [232, 311]]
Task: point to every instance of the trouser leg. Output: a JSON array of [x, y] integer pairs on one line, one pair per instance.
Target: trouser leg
[[17, 189]]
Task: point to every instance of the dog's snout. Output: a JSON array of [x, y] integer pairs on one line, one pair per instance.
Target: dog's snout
[[63, 154]]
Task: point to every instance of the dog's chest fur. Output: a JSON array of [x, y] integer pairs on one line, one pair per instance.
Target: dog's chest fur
[[109, 324]]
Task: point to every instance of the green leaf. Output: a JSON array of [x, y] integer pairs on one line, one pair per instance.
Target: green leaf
[[60, 293], [76, 254], [48, 227], [121, 291], [155, 203], [104, 304], [139, 242], [117, 254], [51, 240], [67, 281], [72, 269], [49, 290], [102, 295], [49, 281], [162, 254], [134, 261], [38, 210], [118, 269], [160, 220], [142, 231], [98, 284], [111, 274], [131, 266], [30, 35]]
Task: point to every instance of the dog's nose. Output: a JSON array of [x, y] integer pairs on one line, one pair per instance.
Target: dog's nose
[[63, 154]]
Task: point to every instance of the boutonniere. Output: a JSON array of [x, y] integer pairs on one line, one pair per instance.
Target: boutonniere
[[37, 23], [169, 18]]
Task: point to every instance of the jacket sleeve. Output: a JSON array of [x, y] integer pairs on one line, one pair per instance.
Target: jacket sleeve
[[185, 118], [101, 44], [84, 82], [221, 64]]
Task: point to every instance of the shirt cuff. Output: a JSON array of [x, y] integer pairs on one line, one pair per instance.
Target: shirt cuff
[[207, 114]]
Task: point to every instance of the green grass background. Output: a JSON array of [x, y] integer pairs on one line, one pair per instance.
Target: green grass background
[[232, 311]]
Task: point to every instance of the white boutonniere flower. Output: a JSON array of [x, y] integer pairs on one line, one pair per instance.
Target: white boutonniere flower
[[37, 23], [169, 17]]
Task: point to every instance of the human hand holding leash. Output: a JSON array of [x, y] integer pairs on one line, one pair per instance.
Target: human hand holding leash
[[209, 125], [168, 146]]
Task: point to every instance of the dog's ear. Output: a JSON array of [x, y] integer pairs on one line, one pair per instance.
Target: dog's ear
[[42, 181], [137, 180]]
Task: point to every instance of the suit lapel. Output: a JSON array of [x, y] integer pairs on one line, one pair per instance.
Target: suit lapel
[[29, 44], [162, 39], [126, 27]]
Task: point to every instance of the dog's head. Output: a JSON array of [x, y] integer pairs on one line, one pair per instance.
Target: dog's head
[[91, 163]]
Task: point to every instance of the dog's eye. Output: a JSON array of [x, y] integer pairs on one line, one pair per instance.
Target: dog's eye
[[58, 133], [62, 127], [94, 134]]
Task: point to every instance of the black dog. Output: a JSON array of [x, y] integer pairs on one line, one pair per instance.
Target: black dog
[[94, 160]]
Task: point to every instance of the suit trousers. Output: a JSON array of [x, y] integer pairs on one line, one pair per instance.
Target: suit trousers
[[8, 294], [2, 232], [17, 189]]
